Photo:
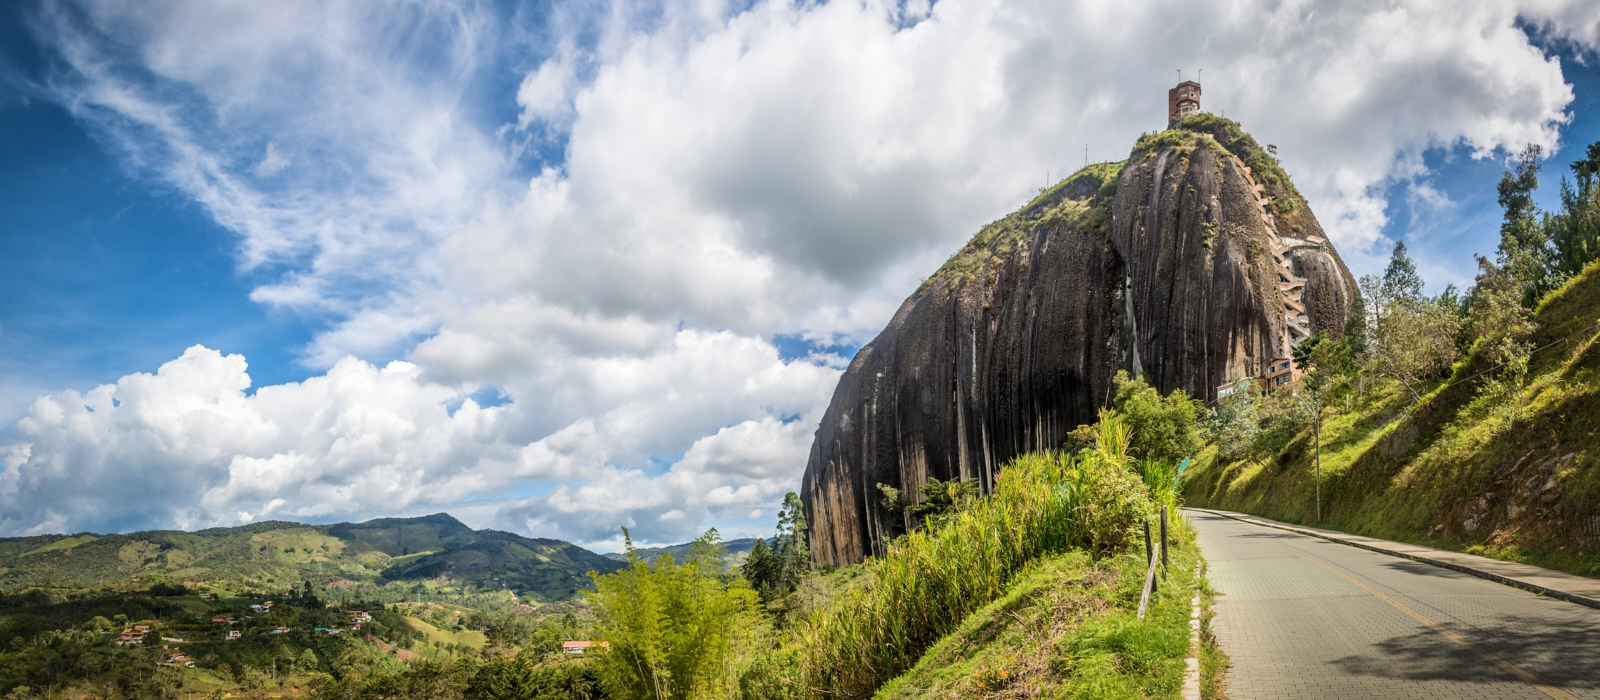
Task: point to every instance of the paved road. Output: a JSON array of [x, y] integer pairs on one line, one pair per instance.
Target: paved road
[[1302, 617]]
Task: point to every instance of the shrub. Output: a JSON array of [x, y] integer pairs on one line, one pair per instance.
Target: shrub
[[1160, 481], [774, 675]]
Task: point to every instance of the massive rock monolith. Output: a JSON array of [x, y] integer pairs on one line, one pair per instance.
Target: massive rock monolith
[[1193, 263]]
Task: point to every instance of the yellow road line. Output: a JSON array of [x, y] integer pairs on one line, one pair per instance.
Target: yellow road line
[[1483, 653]]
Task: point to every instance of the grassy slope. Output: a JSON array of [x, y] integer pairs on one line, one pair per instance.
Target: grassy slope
[[1066, 627], [435, 548], [435, 635], [1450, 471]]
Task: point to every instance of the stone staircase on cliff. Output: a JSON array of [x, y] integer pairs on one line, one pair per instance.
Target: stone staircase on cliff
[[1291, 287]]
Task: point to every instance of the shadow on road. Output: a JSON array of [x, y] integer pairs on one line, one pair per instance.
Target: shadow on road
[[1562, 654], [1420, 569]]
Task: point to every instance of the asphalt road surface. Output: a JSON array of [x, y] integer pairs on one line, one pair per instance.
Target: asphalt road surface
[[1302, 617]]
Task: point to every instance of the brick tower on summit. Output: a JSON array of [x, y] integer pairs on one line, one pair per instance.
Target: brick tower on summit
[[1182, 101]]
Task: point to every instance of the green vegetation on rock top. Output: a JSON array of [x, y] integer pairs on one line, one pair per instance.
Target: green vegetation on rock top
[[1081, 200]]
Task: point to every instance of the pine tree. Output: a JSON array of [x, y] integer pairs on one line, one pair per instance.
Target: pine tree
[[1355, 327], [1525, 249], [1575, 230], [1400, 278], [762, 569]]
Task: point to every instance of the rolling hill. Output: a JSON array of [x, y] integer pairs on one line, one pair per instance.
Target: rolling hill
[[737, 551], [435, 551]]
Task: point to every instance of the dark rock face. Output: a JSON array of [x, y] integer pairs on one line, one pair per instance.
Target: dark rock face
[[1183, 264]]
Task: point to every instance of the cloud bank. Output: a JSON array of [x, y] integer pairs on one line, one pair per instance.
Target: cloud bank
[[611, 236]]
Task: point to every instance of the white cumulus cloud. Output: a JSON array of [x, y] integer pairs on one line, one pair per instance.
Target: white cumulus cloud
[[721, 173]]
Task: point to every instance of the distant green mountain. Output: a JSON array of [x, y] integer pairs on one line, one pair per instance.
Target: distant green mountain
[[738, 551], [433, 553]]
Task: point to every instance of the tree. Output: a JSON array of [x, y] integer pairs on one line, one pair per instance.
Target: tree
[[672, 629], [1375, 302], [509, 679], [1575, 230], [1235, 422], [1500, 327], [1524, 246], [1400, 278], [898, 506], [1165, 428], [1414, 341], [1355, 327], [794, 553], [1302, 352], [764, 571], [308, 598], [1498, 320], [774, 569], [308, 661]]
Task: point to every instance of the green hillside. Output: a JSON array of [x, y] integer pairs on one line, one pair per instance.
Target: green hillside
[[435, 553], [1471, 466]]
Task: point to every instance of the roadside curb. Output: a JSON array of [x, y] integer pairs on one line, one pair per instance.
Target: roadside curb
[[1486, 575], [1191, 672]]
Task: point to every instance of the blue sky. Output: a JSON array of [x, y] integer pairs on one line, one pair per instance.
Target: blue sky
[[1446, 242], [562, 267]]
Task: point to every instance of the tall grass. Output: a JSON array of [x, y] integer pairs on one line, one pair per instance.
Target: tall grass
[[931, 579], [1161, 481]]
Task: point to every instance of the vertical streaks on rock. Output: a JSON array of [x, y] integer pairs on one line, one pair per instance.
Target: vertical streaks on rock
[[1170, 264]]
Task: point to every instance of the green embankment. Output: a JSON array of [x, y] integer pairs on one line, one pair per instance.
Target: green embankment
[[1030, 590], [1513, 478], [1067, 627]]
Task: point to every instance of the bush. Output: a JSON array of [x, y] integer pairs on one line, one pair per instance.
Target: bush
[[168, 589], [932, 579], [774, 675], [1163, 428]]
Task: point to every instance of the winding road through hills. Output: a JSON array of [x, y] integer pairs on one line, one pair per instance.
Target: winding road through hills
[[1303, 617]]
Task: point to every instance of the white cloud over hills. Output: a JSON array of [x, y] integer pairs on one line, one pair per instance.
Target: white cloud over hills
[[725, 175]]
